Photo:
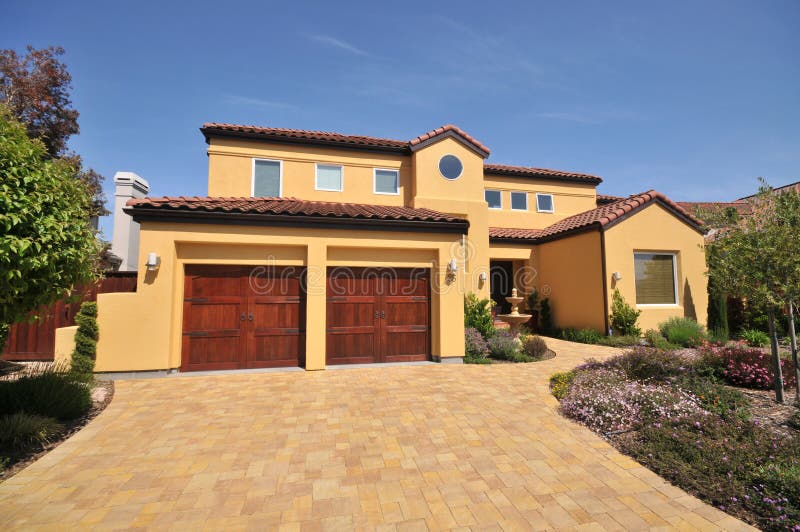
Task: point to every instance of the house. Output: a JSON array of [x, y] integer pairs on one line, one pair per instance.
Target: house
[[315, 248]]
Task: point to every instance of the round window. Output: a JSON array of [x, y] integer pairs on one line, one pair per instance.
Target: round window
[[450, 167]]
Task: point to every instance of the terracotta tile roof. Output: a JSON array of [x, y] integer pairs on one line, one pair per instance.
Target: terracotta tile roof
[[505, 233], [697, 207], [795, 186], [602, 216], [449, 130], [602, 199], [526, 171], [289, 207], [324, 137]]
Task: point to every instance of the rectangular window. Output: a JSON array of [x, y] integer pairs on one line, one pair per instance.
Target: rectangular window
[[493, 198], [656, 276], [519, 201], [266, 178], [544, 203], [387, 182], [329, 177]]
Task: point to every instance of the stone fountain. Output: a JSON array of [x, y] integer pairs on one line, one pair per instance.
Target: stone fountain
[[514, 319]]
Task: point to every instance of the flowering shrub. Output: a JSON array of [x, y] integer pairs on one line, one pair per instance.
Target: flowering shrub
[[561, 382], [644, 363], [748, 366], [475, 346], [534, 346], [504, 345], [605, 401]]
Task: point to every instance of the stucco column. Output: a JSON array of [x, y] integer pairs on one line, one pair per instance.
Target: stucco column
[[447, 313], [316, 305]]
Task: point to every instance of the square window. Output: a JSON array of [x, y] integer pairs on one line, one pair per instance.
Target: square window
[[519, 201], [387, 182], [493, 198], [329, 177], [544, 202], [266, 178], [655, 279]]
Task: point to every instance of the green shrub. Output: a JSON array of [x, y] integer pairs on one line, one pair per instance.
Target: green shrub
[[545, 316], [521, 358], [654, 338], [85, 340], [50, 394], [532, 300], [716, 398], [583, 336], [561, 382], [755, 338], [643, 364], [717, 313], [504, 346], [794, 420], [534, 346], [478, 314], [682, 331], [620, 341], [624, 316], [21, 430]]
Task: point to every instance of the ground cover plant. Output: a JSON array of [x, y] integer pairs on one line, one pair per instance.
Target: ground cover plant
[[678, 413]]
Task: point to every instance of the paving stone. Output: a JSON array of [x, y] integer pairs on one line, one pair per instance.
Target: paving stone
[[394, 448]]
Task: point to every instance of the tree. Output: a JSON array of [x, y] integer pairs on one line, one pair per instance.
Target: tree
[[36, 88], [46, 243], [758, 258]]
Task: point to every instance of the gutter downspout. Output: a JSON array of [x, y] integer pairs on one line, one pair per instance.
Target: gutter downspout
[[605, 279]]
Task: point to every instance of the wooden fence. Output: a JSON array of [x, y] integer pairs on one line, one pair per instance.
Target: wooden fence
[[34, 339]]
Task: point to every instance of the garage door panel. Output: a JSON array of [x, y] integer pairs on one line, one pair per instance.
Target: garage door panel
[[212, 352], [276, 348], [408, 346], [354, 345], [406, 313], [280, 314], [415, 283], [352, 314], [213, 316], [275, 281]]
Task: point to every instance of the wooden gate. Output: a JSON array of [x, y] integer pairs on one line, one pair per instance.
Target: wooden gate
[[34, 338]]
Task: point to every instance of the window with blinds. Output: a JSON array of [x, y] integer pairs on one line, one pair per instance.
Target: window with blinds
[[266, 178], [655, 278], [329, 177]]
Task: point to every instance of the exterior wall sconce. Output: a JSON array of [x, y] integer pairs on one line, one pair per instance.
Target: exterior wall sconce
[[452, 266], [153, 261], [482, 277], [616, 276]]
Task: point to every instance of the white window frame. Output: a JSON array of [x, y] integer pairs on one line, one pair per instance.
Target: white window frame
[[511, 199], [674, 256], [253, 175], [552, 202], [375, 181], [501, 198], [316, 175]]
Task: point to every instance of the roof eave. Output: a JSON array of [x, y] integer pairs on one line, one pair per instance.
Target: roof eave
[[150, 214], [569, 179], [450, 134], [209, 132]]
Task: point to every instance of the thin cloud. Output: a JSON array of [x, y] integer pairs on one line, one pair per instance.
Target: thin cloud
[[237, 99], [340, 44]]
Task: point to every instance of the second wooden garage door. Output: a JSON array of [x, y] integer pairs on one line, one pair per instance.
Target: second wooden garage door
[[377, 315], [237, 317]]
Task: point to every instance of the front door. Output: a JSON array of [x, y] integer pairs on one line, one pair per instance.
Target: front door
[[501, 279], [377, 315]]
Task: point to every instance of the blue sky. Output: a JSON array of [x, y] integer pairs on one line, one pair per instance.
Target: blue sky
[[695, 99]]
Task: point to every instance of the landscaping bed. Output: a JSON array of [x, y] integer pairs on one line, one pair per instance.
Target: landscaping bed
[[687, 416], [41, 406]]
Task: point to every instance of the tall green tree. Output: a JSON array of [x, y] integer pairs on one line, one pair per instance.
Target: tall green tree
[[46, 243], [758, 258], [36, 89]]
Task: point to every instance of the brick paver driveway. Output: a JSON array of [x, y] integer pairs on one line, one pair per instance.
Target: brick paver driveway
[[409, 447]]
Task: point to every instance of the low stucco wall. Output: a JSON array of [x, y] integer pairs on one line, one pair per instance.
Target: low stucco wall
[[64, 344]]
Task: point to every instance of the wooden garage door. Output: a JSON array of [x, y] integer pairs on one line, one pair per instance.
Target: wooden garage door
[[237, 317], [377, 315]]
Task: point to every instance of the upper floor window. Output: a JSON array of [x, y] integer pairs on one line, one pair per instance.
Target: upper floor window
[[266, 178], [387, 182], [656, 278], [544, 203], [494, 198], [519, 201], [329, 177], [450, 167]]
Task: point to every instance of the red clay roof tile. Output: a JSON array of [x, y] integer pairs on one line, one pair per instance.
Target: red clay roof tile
[[450, 129], [292, 207], [505, 233], [527, 171]]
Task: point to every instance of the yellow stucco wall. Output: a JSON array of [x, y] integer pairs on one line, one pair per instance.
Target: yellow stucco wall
[[64, 344], [568, 199], [570, 274], [656, 229], [230, 171], [142, 331]]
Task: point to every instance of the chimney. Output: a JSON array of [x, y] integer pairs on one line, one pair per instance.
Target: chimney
[[125, 239]]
